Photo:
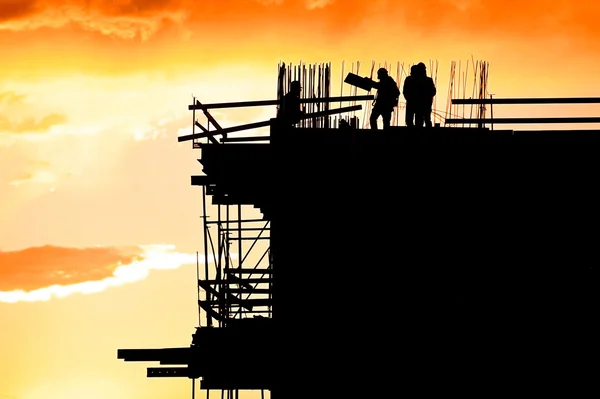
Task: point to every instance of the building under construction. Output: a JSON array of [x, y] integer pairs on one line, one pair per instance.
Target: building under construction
[[348, 262]]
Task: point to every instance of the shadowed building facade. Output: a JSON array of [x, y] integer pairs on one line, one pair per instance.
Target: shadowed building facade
[[435, 260]]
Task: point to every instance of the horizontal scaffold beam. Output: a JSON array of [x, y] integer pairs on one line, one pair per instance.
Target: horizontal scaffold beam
[[245, 139], [247, 304], [250, 271], [547, 100], [236, 280], [235, 383], [255, 125], [201, 180], [276, 102], [152, 355], [252, 292], [458, 121]]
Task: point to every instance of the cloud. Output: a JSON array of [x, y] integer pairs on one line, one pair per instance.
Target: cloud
[[31, 125], [42, 273], [41, 176], [312, 4], [11, 98], [508, 17], [125, 19], [14, 9], [90, 105], [37, 267], [471, 18], [128, 19], [16, 111]]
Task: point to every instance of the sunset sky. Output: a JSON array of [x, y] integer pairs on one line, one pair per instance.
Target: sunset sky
[[99, 224]]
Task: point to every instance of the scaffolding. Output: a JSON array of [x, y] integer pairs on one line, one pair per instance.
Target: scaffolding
[[240, 285]]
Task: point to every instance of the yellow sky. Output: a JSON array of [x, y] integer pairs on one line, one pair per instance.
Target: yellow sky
[[93, 95]]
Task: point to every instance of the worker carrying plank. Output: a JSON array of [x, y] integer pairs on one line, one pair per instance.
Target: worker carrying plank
[[386, 98]]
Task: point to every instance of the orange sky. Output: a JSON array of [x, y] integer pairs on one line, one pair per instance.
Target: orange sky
[[92, 96]]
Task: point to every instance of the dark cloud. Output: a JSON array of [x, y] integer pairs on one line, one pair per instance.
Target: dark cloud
[[14, 9]]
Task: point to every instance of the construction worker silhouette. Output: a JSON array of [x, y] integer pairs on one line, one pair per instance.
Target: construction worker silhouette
[[386, 99], [408, 90], [291, 110], [424, 92]]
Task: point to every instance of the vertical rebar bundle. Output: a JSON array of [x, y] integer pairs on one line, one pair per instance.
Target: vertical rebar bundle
[[315, 80], [460, 90]]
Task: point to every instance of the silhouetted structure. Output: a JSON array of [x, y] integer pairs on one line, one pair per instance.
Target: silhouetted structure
[[455, 260]]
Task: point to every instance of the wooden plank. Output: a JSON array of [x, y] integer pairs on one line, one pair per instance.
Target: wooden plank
[[238, 104], [359, 81], [259, 103], [152, 355]]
